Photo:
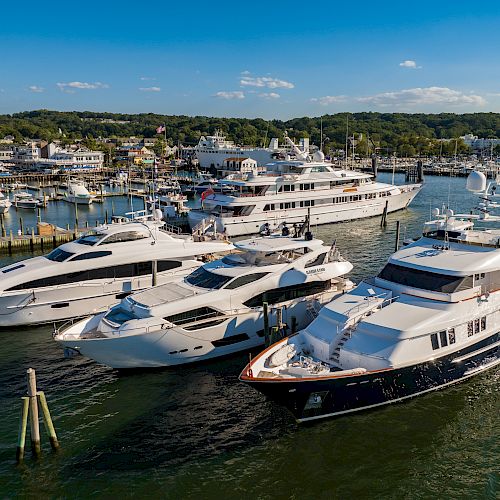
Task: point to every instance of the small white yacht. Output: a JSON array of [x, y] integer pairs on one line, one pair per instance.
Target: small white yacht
[[26, 200], [78, 193], [218, 309], [429, 319], [5, 203], [289, 188], [96, 271]]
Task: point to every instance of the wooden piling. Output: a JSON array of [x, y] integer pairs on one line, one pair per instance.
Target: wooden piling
[[21, 225], [265, 312], [383, 221], [33, 407], [23, 424], [398, 230], [154, 272], [106, 216], [47, 420], [32, 240], [2, 222]]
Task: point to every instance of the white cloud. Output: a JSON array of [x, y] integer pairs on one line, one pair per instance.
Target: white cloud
[[236, 94], [329, 99], [421, 96], [245, 73], [150, 89], [147, 78], [35, 88], [269, 95], [265, 81], [409, 64], [70, 86]]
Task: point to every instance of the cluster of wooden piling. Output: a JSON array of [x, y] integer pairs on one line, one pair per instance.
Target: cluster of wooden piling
[[29, 409], [274, 333]]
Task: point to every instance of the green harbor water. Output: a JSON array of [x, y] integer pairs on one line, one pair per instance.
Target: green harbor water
[[196, 432]]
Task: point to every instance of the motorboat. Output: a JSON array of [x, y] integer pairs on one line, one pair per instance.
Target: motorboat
[[78, 193], [289, 188], [426, 321], [97, 270], [26, 200], [218, 309], [5, 204]]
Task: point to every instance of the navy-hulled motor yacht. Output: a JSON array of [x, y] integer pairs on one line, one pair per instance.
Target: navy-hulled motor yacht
[[429, 319], [218, 309], [96, 271]]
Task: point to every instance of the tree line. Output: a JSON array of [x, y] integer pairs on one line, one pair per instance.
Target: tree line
[[402, 133]]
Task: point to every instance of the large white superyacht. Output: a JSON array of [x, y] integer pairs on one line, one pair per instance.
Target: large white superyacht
[[96, 271], [291, 188], [429, 319], [218, 309]]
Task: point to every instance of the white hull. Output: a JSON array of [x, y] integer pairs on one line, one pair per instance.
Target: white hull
[[52, 304], [215, 158], [321, 214], [78, 200], [176, 346]]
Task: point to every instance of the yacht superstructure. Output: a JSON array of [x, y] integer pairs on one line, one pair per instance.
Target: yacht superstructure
[[291, 188], [429, 319], [78, 193], [96, 271], [216, 310]]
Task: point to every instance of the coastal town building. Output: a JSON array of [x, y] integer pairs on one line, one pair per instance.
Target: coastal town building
[[480, 145]]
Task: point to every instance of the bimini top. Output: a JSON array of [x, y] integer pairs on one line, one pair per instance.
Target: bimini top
[[276, 243], [452, 258]]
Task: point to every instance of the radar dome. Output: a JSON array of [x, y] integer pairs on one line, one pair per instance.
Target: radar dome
[[476, 182], [319, 156], [157, 214], [435, 212]]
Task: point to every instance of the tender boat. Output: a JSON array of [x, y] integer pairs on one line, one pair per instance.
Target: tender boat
[[96, 271], [26, 200], [218, 309], [428, 320]]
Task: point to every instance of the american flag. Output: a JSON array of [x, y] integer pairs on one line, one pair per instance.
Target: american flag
[[160, 129]]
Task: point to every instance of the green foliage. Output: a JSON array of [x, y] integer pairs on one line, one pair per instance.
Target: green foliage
[[405, 134]]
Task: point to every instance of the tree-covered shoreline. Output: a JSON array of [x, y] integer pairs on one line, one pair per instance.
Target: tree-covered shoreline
[[403, 133]]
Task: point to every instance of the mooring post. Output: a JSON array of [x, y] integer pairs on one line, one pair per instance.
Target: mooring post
[[154, 272], [265, 311], [398, 230], [38, 215], [106, 215], [2, 222], [32, 239], [34, 421], [383, 221], [47, 420], [21, 225], [23, 424]]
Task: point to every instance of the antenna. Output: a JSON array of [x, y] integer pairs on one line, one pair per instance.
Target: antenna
[[321, 136]]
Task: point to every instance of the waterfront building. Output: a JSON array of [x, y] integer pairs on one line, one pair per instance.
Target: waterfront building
[[480, 145]]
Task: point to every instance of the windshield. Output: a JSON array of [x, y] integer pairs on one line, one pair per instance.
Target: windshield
[[59, 255], [205, 279], [90, 238], [425, 280]]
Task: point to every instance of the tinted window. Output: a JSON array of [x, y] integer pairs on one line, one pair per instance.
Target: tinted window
[[434, 341], [288, 293], [230, 340], [193, 315], [244, 280], [205, 279], [89, 238], [424, 279], [124, 236], [317, 261], [19, 266], [91, 255], [166, 265], [59, 255]]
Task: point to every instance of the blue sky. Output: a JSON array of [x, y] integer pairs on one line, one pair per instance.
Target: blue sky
[[251, 59]]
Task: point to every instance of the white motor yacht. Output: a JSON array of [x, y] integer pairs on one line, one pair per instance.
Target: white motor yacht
[[218, 309], [78, 193], [429, 319], [26, 200], [5, 203], [289, 188], [96, 271]]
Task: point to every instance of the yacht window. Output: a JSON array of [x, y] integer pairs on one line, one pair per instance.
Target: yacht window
[[59, 255], [118, 316], [124, 236], [444, 338], [288, 187], [19, 266], [166, 265], [434, 341], [90, 238], [269, 207], [92, 255], [317, 261], [234, 339], [288, 293], [245, 280], [193, 315], [451, 335], [476, 325], [470, 328], [206, 279], [424, 279], [483, 323]]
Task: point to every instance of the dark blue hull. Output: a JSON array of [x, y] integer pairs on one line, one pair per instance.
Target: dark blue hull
[[311, 399]]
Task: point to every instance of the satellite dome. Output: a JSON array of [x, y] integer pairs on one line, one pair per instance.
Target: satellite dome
[[476, 181], [157, 214], [319, 156]]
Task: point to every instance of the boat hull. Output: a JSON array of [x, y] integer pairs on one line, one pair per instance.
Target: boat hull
[[321, 214], [321, 397]]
